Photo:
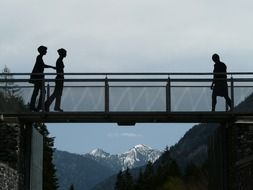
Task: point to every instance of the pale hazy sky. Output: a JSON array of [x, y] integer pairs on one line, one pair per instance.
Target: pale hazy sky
[[126, 36]]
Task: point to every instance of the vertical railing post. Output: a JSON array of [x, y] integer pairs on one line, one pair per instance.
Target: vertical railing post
[[232, 94], [48, 90], [43, 91], [106, 95], [168, 95]]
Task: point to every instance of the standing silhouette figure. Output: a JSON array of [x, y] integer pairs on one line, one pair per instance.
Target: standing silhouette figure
[[58, 83], [37, 78], [219, 84]]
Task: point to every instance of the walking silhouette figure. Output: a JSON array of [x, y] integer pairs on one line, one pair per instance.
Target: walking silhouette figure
[[37, 78], [219, 84], [59, 80]]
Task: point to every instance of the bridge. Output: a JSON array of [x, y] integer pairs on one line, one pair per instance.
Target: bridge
[[129, 98]]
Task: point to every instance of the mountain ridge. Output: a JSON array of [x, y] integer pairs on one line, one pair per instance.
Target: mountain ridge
[[69, 163], [135, 157]]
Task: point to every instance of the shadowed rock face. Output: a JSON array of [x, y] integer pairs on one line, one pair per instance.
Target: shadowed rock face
[[9, 155], [9, 177], [12, 156]]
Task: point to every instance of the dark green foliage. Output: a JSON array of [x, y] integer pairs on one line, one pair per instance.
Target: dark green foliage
[[124, 181], [149, 177], [71, 187], [11, 103], [10, 94], [140, 182], [164, 175], [129, 180], [119, 183]]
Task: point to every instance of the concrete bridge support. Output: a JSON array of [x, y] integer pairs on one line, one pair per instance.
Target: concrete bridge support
[[231, 157]]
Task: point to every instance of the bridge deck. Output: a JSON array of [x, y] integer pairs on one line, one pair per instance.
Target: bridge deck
[[127, 118], [128, 98]]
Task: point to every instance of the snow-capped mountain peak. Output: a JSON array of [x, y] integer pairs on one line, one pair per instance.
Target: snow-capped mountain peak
[[141, 147], [99, 153], [137, 156]]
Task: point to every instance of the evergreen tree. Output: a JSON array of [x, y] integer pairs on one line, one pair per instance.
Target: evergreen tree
[[124, 181], [140, 182], [119, 181], [71, 187], [9, 88], [155, 178], [149, 177], [10, 94], [128, 180]]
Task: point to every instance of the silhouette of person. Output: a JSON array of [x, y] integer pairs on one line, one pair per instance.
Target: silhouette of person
[[37, 78], [58, 83], [219, 84]]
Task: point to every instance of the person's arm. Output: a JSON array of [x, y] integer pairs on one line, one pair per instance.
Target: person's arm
[[213, 78], [49, 66]]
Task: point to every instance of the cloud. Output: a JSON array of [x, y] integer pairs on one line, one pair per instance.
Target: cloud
[[128, 135], [119, 35]]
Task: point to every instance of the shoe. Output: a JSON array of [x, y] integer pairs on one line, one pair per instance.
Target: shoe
[[58, 109]]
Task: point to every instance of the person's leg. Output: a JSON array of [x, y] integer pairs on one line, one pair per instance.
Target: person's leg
[[42, 93], [34, 96], [50, 99], [57, 106], [49, 102], [58, 95], [228, 101], [214, 101]]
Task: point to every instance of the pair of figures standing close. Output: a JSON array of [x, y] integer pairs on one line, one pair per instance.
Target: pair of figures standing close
[[37, 78]]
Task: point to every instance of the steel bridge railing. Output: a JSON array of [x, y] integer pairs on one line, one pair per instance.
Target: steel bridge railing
[[130, 92]]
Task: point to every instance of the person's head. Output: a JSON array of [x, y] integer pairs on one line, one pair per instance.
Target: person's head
[[42, 50], [62, 52], [216, 58]]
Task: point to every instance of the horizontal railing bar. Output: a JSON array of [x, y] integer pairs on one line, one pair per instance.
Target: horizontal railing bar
[[138, 73], [152, 86], [131, 80]]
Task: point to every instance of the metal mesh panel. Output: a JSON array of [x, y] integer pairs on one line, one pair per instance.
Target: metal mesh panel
[[86, 99], [137, 99], [190, 99]]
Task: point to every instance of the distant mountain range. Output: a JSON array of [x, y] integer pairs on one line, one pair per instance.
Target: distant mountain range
[[137, 156], [85, 171], [191, 148]]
